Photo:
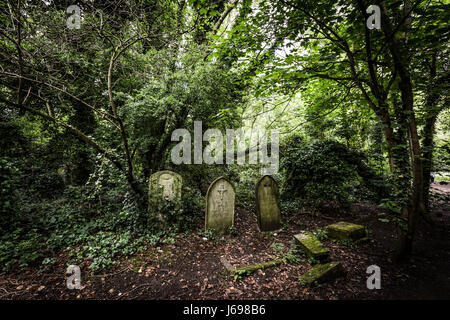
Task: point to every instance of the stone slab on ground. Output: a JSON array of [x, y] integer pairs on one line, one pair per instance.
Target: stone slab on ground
[[311, 245], [247, 270], [346, 231], [322, 272]]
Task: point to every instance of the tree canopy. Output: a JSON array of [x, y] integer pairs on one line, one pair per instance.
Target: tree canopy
[[90, 98]]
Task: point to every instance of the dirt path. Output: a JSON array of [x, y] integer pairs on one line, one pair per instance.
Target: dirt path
[[440, 203], [192, 268], [442, 188]]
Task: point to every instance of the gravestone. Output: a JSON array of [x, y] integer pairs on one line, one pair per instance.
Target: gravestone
[[346, 231], [311, 246], [220, 206], [163, 186], [322, 272], [268, 211]]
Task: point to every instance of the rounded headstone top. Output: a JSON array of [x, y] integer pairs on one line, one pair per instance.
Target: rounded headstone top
[[159, 173], [220, 201], [167, 182], [217, 180], [265, 176]]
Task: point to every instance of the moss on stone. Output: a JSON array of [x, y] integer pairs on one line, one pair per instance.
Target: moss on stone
[[322, 272], [346, 231], [247, 270], [311, 245]]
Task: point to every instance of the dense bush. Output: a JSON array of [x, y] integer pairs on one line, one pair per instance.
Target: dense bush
[[326, 171], [8, 198], [96, 223], [245, 183]]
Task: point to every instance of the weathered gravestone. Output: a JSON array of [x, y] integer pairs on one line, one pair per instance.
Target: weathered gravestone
[[322, 272], [163, 186], [268, 211], [346, 231], [220, 206], [311, 246]]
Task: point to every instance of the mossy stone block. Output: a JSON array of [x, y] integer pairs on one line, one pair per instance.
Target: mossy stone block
[[346, 231], [322, 272], [247, 270], [311, 245]]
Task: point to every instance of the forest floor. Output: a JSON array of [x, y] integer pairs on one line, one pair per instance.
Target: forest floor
[[192, 267]]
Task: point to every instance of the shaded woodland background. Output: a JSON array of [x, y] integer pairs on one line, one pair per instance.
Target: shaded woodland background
[[86, 116]]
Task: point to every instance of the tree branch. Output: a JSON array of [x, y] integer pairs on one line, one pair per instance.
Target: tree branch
[[72, 129], [103, 114]]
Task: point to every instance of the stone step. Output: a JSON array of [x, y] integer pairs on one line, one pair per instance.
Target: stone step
[[312, 246], [321, 273], [346, 231]]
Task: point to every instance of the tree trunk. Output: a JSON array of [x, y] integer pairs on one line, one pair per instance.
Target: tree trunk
[[428, 132], [427, 147], [416, 205]]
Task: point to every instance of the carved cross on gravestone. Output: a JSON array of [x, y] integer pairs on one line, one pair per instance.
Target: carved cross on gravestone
[[220, 206], [166, 182], [220, 203], [222, 191]]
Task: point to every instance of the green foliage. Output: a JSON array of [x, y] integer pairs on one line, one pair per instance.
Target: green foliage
[[232, 231], [277, 246], [289, 205], [239, 274], [57, 193], [442, 155], [183, 216], [175, 99], [313, 261], [323, 171], [295, 254], [302, 282], [21, 248], [103, 249], [248, 176], [42, 227], [391, 205], [8, 198], [210, 234], [320, 234], [99, 222]]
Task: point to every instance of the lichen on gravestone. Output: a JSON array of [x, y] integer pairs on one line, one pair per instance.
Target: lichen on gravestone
[[164, 186], [267, 204], [220, 200]]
